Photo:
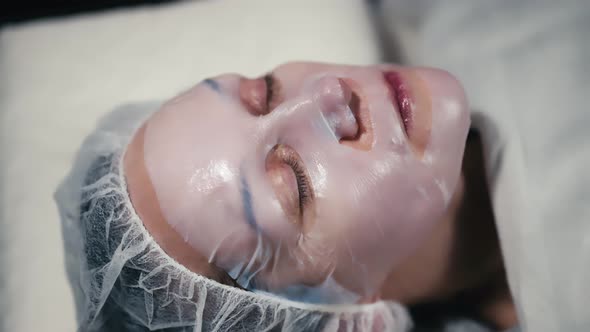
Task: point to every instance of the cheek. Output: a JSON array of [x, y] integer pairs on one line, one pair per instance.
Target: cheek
[[406, 200], [362, 231], [376, 214]]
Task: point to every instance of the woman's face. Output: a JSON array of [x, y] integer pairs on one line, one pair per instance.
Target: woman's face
[[310, 173]]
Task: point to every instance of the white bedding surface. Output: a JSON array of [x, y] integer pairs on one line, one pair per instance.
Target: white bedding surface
[[525, 66], [57, 77]]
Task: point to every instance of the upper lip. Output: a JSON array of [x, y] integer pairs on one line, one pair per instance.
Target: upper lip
[[395, 86]]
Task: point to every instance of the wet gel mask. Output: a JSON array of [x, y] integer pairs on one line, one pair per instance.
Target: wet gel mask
[[281, 203]]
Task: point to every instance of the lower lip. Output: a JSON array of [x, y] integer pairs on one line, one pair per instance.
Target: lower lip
[[400, 97]]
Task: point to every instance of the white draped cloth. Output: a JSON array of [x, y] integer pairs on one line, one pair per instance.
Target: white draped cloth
[[526, 68]]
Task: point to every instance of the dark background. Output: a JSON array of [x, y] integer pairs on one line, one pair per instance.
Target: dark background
[[26, 10]]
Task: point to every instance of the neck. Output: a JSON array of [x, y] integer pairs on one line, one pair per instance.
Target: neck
[[479, 263], [476, 266]]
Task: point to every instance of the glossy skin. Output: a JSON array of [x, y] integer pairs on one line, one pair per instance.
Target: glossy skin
[[228, 173]]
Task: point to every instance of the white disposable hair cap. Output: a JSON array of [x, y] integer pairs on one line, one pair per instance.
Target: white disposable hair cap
[[123, 281]]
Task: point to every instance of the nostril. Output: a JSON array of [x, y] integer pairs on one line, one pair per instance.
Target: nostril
[[336, 109], [353, 107], [344, 111], [363, 137], [342, 121], [345, 89]]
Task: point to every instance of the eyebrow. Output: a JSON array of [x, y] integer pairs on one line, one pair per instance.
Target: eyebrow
[[213, 84], [247, 202]]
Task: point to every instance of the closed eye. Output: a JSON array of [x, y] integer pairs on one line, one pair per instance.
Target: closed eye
[[291, 183], [260, 95], [273, 92]]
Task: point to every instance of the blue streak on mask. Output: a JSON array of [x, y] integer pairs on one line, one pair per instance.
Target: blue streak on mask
[[211, 83], [329, 292], [247, 203]]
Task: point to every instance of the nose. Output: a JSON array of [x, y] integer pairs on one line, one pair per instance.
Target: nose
[[333, 97], [322, 107]]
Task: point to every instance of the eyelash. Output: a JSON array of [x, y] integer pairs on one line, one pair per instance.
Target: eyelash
[[272, 91], [269, 80], [302, 185]]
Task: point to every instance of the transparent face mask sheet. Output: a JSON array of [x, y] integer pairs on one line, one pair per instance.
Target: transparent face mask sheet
[[123, 281], [367, 202]]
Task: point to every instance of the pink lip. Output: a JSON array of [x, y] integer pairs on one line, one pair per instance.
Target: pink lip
[[401, 98]]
